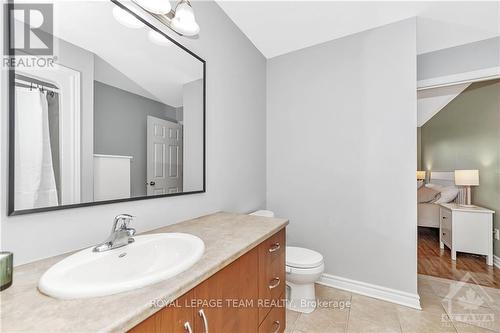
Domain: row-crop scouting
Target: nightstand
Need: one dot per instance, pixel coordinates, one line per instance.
(466, 229)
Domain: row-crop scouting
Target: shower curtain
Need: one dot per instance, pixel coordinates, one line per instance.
(34, 184)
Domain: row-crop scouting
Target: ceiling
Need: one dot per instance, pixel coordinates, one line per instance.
(279, 27)
(431, 101)
(126, 58)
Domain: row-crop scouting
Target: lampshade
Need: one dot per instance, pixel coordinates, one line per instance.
(467, 177)
(184, 21)
(420, 175)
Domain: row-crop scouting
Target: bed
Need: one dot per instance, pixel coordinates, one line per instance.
(428, 213)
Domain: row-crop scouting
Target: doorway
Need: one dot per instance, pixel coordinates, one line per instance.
(164, 156)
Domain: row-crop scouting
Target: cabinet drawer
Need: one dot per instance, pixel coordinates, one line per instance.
(174, 318)
(274, 322)
(446, 226)
(445, 218)
(271, 272)
(273, 248)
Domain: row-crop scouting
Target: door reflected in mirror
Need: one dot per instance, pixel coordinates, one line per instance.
(117, 116)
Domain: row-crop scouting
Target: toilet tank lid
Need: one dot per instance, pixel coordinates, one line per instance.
(265, 213)
(302, 258)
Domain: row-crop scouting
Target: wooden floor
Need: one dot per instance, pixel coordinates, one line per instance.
(437, 262)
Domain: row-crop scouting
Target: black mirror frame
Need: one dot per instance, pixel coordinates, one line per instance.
(10, 203)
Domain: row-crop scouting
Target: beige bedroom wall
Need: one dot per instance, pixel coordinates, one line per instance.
(466, 135)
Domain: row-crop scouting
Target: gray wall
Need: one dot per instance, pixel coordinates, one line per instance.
(460, 59)
(345, 173)
(236, 114)
(120, 128)
(466, 135)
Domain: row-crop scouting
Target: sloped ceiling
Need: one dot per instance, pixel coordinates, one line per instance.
(279, 27)
(159, 71)
(431, 101)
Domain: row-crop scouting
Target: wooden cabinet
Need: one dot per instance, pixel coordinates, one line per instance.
(271, 273)
(235, 288)
(274, 321)
(178, 317)
(245, 296)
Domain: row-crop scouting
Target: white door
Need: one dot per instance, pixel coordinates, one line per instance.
(164, 157)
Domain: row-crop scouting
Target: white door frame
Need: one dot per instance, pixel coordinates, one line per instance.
(455, 79)
(68, 82)
(467, 77)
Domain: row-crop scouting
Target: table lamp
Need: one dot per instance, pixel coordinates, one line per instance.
(467, 178)
(420, 175)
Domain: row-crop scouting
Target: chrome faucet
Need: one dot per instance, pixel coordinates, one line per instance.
(121, 234)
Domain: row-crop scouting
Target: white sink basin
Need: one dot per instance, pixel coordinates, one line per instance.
(150, 259)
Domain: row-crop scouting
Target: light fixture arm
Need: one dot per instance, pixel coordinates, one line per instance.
(166, 19)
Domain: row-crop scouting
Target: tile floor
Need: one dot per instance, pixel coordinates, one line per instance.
(447, 306)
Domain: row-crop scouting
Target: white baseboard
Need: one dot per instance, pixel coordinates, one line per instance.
(496, 261)
(371, 290)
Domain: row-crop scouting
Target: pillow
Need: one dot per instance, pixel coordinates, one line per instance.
(448, 193)
(420, 183)
(426, 194)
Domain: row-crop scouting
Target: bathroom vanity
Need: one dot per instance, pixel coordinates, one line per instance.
(245, 296)
(242, 268)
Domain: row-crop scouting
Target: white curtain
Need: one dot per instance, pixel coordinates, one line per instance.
(34, 184)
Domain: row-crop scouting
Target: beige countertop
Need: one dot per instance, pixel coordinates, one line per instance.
(227, 236)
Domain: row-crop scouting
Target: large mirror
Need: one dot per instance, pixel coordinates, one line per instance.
(114, 112)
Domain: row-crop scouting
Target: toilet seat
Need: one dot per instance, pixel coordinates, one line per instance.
(299, 257)
(303, 268)
(264, 213)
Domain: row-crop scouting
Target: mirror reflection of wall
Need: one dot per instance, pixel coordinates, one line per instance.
(117, 117)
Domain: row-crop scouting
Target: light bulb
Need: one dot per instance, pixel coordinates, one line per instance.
(158, 38)
(126, 18)
(160, 7)
(184, 21)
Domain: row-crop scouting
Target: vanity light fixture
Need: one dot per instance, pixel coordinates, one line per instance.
(180, 19)
(126, 18)
(160, 7)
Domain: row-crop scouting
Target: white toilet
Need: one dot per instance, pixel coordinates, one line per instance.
(303, 268)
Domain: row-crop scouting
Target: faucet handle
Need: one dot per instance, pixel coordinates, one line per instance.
(126, 218)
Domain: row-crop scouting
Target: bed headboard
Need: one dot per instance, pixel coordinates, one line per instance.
(447, 178)
(442, 177)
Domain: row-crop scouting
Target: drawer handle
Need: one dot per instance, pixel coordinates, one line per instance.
(278, 325)
(201, 313)
(187, 327)
(275, 247)
(444, 217)
(275, 284)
